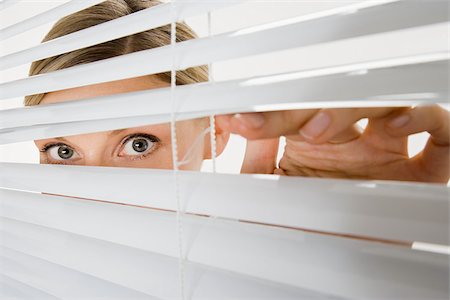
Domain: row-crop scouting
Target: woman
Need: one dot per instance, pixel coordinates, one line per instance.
(324, 143)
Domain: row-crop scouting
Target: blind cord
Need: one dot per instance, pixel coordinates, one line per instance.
(212, 119)
(190, 154)
(181, 259)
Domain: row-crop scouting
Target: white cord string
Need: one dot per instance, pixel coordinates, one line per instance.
(173, 73)
(212, 119)
(189, 156)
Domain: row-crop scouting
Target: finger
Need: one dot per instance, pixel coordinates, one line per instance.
(432, 119)
(433, 161)
(315, 126)
(330, 124)
(223, 121)
(260, 156)
(267, 125)
(350, 134)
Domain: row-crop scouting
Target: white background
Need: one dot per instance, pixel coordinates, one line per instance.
(409, 42)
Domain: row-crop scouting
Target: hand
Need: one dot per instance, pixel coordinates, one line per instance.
(328, 143)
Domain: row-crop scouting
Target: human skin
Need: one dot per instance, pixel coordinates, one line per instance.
(114, 148)
(328, 143)
(319, 143)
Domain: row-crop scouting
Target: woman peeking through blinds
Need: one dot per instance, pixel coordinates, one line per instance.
(319, 142)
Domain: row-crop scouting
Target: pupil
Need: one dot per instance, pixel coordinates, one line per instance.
(140, 145)
(65, 152)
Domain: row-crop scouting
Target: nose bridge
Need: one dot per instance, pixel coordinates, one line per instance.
(92, 147)
(94, 159)
(95, 156)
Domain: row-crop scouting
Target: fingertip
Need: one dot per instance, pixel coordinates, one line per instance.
(247, 125)
(316, 127)
(251, 120)
(223, 122)
(399, 121)
(398, 125)
(236, 126)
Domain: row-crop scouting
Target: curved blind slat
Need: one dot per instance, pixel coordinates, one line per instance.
(277, 261)
(235, 44)
(12, 288)
(143, 271)
(60, 281)
(130, 24)
(45, 17)
(395, 86)
(352, 207)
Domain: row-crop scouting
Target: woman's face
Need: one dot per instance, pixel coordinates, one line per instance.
(140, 147)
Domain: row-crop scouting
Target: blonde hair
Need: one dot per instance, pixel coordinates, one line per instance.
(103, 12)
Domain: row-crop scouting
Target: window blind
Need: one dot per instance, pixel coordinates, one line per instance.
(48, 16)
(79, 232)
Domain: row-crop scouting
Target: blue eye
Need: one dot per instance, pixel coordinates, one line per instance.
(137, 145)
(61, 152)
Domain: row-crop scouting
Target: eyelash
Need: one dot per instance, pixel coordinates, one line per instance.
(48, 146)
(152, 138)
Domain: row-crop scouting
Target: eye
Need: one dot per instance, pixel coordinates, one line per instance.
(138, 145)
(60, 152)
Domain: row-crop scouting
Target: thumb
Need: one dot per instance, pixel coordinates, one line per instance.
(260, 156)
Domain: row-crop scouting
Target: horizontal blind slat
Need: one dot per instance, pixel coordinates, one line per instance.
(340, 206)
(7, 3)
(13, 289)
(130, 24)
(397, 85)
(239, 252)
(139, 270)
(45, 17)
(412, 75)
(236, 44)
(59, 281)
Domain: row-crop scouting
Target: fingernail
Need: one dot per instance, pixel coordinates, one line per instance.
(316, 126)
(252, 120)
(399, 121)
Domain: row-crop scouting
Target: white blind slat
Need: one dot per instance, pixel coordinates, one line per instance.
(351, 207)
(412, 75)
(7, 3)
(139, 270)
(291, 260)
(130, 24)
(45, 17)
(202, 51)
(396, 86)
(60, 281)
(12, 289)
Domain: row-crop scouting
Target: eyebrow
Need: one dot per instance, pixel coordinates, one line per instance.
(60, 138)
(114, 132)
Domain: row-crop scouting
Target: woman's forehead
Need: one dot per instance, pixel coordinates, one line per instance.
(104, 89)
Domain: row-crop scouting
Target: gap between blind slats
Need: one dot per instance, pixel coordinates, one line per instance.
(291, 261)
(146, 19)
(398, 85)
(13, 289)
(143, 271)
(45, 17)
(295, 33)
(60, 281)
(361, 208)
